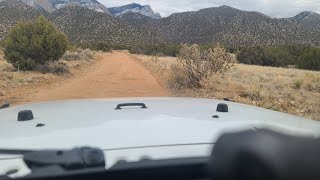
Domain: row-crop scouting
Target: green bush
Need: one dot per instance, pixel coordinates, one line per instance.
(34, 43)
(297, 83)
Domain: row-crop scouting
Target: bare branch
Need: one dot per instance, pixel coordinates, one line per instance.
(201, 64)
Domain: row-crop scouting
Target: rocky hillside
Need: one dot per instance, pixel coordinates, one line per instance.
(40, 4)
(91, 4)
(141, 21)
(134, 8)
(79, 23)
(84, 25)
(11, 12)
(51, 5)
(307, 18)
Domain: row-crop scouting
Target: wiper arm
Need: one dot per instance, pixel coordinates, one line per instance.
(15, 151)
(52, 161)
(78, 158)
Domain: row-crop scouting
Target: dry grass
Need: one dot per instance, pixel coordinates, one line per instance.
(15, 84)
(292, 91)
(78, 55)
(159, 66)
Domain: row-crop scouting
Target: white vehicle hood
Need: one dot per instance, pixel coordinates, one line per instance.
(168, 128)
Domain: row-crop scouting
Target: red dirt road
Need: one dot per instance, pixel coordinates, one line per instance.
(114, 75)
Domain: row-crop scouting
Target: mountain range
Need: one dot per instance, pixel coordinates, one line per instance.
(90, 21)
(134, 8)
(52, 5)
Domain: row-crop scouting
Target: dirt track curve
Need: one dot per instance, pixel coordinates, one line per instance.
(114, 75)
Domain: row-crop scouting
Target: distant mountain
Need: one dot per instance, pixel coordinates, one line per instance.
(85, 25)
(305, 15)
(134, 8)
(307, 18)
(137, 19)
(230, 26)
(91, 4)
(220, 24)
(79, 24)
(51, 5)
(40, 4)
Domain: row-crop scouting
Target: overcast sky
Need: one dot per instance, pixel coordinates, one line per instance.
(273, 8)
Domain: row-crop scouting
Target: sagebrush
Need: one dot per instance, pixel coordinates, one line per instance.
(58, 68)
(78, 55)
(197, 64)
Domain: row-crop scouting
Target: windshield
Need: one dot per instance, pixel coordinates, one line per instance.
(150, 78)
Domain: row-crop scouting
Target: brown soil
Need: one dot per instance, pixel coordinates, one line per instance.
(113, 75)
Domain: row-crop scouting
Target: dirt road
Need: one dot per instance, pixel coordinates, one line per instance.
(114, 75)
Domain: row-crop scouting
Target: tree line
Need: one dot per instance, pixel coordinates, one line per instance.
(161, 49)
(34, 43)
(299, 56)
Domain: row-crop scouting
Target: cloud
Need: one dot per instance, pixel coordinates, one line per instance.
(273, 8)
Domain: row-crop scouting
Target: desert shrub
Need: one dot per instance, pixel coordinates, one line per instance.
(33, 43)
(178, 78)
(78, 55)
(254, 92)
(87, 53)
(312, 82)
(6, 67)
(71, 56)
(297, 83)
(54, 68)
(199, 64)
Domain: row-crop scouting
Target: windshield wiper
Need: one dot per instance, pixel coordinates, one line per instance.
(57, 161)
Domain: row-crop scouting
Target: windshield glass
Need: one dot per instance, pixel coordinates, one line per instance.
(155, 77)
